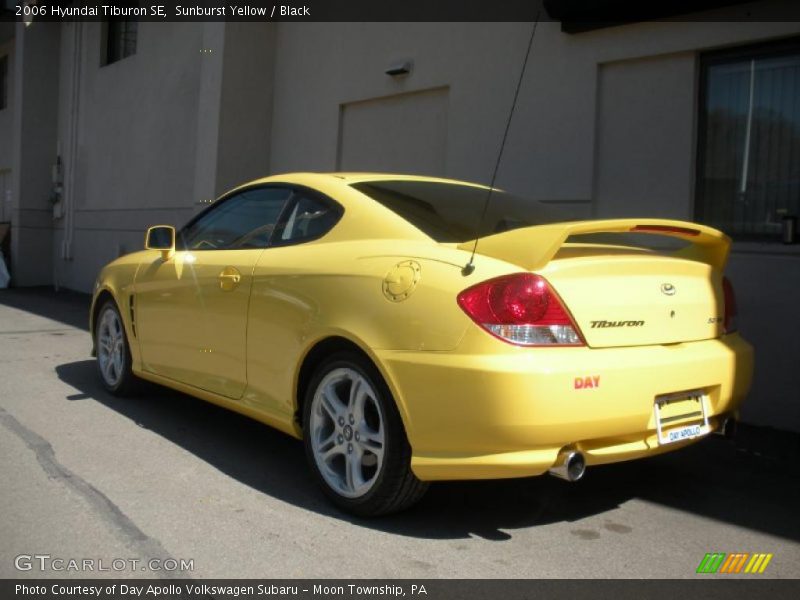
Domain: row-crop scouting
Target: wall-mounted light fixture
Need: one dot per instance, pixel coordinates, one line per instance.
(400, 68)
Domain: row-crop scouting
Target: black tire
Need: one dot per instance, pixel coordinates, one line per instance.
(395, 487)
(126, 383)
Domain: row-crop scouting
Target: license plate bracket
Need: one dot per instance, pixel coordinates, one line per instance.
(668, 434)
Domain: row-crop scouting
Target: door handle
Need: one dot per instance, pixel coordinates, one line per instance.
(229, 278)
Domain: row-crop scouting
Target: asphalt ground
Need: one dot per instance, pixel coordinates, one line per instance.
(164, 476)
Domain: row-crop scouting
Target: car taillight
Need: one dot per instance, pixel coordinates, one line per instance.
(730, 322)
(520, 309)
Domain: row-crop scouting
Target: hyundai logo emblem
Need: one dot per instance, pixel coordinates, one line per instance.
(668, 289)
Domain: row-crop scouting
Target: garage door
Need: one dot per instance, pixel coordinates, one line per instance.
(405, 133)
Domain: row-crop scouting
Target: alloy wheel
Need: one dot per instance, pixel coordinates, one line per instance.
(347, 432)
(111, 347)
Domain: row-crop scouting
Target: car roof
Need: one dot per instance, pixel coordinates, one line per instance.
(351, 177)
(368, 219)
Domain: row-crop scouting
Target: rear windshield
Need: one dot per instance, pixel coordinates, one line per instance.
(449, 212)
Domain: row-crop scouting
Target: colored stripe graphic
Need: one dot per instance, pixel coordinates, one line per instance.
(711, 562)
(720, 562)
(734, 563)
(758, 563)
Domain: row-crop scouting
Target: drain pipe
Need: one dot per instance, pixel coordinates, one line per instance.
(55, 261)
(74, 128)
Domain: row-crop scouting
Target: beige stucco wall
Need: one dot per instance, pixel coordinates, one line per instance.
(552, 148)
(133, 160)
(32, 142)
(158, 133)
(605, 125)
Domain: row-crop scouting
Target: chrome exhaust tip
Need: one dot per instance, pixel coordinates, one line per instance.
(570, 466)
(727, 428)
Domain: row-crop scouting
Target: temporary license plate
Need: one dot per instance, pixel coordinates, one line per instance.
(681, 406)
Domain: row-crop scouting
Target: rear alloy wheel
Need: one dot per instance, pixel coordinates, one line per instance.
(355, 440)
(113, 353)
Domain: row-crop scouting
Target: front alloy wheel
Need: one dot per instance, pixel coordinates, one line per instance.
(355, 439)
(113, 354)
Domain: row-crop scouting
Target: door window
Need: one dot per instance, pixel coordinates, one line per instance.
(243, 221)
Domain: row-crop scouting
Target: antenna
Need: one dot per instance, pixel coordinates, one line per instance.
(470, 267)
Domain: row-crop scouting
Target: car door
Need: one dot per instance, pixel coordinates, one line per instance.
(191, 310)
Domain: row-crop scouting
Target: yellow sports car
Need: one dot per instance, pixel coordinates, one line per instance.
(412, 329)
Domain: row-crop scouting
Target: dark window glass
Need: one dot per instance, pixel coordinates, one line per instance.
(121, 39)
(453, 213)
(749, 140)
(3, 82)
(308, 219)
(245, 220)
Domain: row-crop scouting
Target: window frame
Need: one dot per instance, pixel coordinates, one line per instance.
(769, 49)
(283, 216)
(107, 40)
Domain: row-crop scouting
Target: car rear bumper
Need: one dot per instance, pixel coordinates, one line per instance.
(509, 414)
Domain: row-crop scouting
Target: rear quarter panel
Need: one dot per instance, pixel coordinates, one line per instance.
(304, 294)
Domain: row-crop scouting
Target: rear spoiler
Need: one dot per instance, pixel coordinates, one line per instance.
(533, 247)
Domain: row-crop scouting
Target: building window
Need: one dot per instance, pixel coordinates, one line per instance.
(748, 176)
(3, 82)
(121, 37)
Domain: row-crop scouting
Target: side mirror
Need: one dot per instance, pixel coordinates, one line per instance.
(161, 237)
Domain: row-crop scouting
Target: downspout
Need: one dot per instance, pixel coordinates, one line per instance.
(74, 128)
(68, 146)
(56, 282)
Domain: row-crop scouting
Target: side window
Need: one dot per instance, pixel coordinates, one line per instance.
(120, 39)
(748, 172)
(243, 221)
(309, 218)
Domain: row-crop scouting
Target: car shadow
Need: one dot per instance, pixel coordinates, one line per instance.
(65, 306)
(746, 483)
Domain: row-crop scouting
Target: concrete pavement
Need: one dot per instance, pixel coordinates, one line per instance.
(164, 476)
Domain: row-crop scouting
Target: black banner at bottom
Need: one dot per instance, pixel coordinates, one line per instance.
(427, 589)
